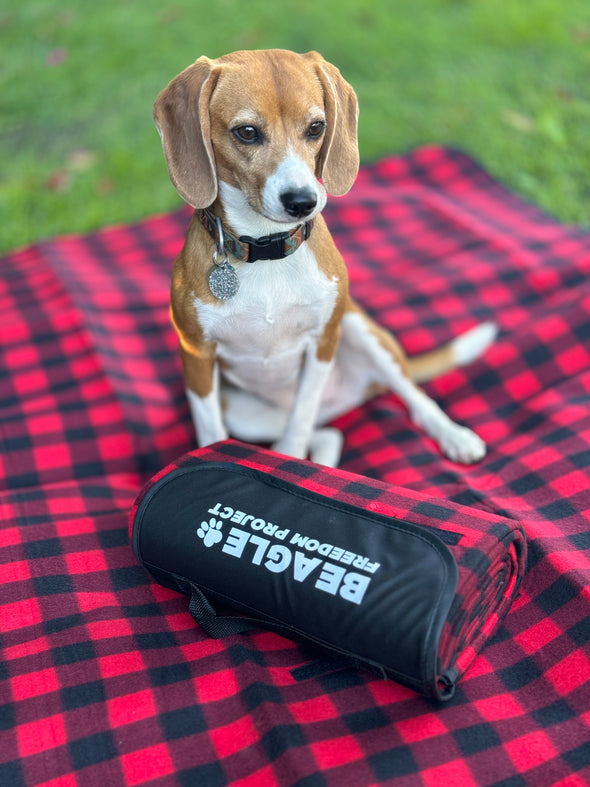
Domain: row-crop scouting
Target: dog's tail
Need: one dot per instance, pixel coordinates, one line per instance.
(458, 352)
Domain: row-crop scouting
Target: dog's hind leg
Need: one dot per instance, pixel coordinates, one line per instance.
(369, 357)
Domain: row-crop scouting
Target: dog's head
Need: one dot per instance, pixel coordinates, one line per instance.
(267, 124)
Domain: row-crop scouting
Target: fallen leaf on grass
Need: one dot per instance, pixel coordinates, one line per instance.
(581, 33)
(81, 160)
(58, 180)
(518, 120)
(547, 123)
(105, 186)
(57, 56)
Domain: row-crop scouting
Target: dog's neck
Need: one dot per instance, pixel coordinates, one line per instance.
(247, 249)
(247, 235)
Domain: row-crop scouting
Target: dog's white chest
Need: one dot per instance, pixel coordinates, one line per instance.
(263, 331)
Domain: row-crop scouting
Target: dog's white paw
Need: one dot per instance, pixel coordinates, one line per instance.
(462, 445)
(326, 446)
(290, 448)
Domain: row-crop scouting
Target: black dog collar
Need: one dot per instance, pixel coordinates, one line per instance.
(270, 247)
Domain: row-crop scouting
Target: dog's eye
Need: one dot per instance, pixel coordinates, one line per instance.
(316, 129)
(248, 134)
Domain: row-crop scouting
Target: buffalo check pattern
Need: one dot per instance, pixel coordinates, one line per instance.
(104, 677)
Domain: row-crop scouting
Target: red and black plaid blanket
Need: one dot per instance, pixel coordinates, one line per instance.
(104, 677)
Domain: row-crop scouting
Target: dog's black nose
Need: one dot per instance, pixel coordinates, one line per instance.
(299, 203)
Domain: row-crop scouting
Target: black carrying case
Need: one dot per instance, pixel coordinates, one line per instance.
(371, 589)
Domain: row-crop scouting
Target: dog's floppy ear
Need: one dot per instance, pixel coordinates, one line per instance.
(339, 157)
(181, 114)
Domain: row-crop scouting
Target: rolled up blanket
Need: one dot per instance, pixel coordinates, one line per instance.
(407, 586)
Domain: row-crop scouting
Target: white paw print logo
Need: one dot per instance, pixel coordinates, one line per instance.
(210, 532)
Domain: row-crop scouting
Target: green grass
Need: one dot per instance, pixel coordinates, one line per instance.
(505, 81)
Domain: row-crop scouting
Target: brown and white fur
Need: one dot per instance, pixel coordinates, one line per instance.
(291, 351)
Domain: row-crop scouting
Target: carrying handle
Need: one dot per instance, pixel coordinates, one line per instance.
(217, 626)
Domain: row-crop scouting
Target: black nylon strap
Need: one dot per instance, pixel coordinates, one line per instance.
(217, 626)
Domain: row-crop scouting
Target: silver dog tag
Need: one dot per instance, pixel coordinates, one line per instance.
(223, 281)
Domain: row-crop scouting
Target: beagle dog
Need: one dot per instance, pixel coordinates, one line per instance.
(272, 345)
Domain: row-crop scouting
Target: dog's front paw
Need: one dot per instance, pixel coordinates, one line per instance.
(290, 448)
(462, 445)
(325, 447)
